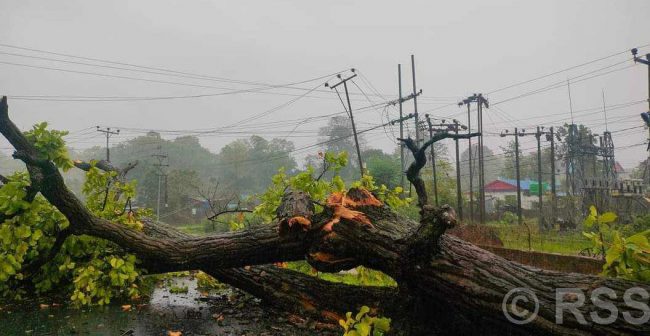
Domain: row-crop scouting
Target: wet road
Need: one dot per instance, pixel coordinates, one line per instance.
(227, 312)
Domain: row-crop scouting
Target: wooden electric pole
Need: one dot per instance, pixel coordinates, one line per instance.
(646, 61)
(400, 100)
(540, 184)
(433, 162)
(445, 127)
(553, 191)
(401, 127)
(459, 195)
(516, 135)
(349, 109)
(107, 131)
(162, 162)
(415, 102)
(468, 103)
(481, 101)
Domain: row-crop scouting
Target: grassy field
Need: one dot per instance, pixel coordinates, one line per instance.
(517, 237)
(197, 229)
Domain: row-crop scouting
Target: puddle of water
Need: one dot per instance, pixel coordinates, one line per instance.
(227, 312)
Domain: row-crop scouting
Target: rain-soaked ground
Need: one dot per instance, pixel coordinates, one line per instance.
(223, 312)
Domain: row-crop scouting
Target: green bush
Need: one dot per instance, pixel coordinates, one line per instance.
(363, 324)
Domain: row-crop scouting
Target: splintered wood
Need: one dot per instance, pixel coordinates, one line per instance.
(343, 203)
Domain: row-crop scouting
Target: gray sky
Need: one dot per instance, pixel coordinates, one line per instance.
(461, 47)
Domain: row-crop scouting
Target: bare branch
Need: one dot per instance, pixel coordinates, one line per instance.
(419, 154)
(213, 217)
(106, 166)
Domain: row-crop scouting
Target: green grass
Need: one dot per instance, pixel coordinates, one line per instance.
(197, 229)
(553, 241)
(174, 289)
(363, 277)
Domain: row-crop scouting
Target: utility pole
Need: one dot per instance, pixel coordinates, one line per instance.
(354, 127)
(402, 119)
(516, 135)
(446, 127)
(400, 100)
(401, 126)
(107, 131)
(468, 102)
(553, 192)
(415, 102)
(540, 185)
(162, 162)
(459, 196)
(645, 61)
(433, 162)
(481, 101)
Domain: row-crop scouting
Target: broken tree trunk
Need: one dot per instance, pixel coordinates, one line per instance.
(446, 285)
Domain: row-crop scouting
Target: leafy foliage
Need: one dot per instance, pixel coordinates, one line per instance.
(50, 145)
(90, 270)
(641, 223)
(629, 257)
(392, 197)
(625, 257)
(337, 137)
(363, 324)
(175, 289)
(244, 167)
(319, 188)
(508, 218)
(385, 168)
(206, 282)
(25, 233)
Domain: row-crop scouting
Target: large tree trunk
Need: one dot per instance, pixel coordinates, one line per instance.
(446, 285)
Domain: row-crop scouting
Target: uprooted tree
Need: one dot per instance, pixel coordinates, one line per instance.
(445, 285)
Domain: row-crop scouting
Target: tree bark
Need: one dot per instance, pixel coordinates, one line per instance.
(446, 285)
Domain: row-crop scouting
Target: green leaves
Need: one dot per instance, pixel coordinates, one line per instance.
(22, 231)
(13, 193)
(106, 197)
(336, 161)
(627, 258)
(319, 188)
(363, 311)
(50, 145)
(595, 218)
(90, 270)
(607, 217)
(364, 324)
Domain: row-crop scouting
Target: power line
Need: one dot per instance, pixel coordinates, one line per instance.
(564, 70)
(230, 91)
(562, 83)
(162, 71)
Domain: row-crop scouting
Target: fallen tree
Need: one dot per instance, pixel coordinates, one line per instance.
(445, 285)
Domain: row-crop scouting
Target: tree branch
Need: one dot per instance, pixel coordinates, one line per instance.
(35, 265)
(223, 212)
(419, 154)
(106, 166)
(257, 246)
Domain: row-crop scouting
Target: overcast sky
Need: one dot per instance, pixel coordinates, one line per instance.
(460, 47)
